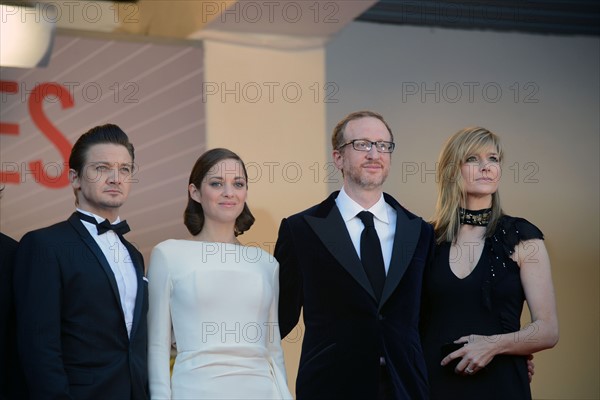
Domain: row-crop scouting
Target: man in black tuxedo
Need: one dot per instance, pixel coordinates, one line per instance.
(81, 295)
(361, 313)
(12, 382)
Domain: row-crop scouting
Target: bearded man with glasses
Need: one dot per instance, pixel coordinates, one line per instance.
(354, 264)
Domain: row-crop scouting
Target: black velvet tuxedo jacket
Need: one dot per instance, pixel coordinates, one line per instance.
(72, 339)
(12, 381)
(347, 329)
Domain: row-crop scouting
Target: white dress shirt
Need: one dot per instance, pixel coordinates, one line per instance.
(121, 264)
(384, 220)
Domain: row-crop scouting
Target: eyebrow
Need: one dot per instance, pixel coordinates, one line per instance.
(475, 153)
(128, 164)
(220, 178)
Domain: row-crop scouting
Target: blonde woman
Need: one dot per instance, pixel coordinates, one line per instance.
(486, 265)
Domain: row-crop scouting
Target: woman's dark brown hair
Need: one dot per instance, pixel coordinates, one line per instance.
(193, 216)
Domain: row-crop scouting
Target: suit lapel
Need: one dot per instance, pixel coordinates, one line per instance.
(329, 226)
(405, 243)
(93, 246)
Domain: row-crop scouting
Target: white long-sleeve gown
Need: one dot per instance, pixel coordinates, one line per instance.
(218, 303)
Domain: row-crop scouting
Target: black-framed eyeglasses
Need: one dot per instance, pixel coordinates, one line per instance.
(367, 145)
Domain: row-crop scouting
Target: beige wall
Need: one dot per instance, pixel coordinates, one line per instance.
(274, 124)
(270, 116)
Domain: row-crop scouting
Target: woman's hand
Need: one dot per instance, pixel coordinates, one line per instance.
(530, 367)
(477, 352)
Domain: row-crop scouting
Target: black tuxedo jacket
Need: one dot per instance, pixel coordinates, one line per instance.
(12, 381)
(347, 329)
(72, 339)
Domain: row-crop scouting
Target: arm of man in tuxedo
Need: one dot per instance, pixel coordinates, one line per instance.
(38, 297)
(423, 314)
(290, 279)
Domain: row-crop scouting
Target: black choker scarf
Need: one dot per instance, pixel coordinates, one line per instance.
(475, 217)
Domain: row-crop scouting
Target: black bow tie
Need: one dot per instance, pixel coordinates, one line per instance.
(120, 229)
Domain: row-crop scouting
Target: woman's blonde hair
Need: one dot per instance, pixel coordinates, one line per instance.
(451, 192)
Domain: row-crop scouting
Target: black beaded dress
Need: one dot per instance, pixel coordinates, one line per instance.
(489, 301)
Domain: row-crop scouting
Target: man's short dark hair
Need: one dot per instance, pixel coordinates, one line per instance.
(103, 134)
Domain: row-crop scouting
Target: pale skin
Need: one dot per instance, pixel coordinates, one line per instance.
(364, 171)
(103, 185)
(481, 173)
(222, 194)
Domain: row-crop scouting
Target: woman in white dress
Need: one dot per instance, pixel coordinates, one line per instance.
(215, 299)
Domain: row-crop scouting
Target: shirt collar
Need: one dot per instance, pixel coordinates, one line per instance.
(98, 218)
(349, 208)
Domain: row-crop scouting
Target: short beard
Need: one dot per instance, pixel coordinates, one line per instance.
(367, 183)
(112, 204)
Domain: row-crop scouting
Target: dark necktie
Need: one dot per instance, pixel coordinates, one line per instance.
(370, 253)
(120, 229)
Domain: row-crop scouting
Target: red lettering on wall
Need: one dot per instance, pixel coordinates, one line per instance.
(36, 101)
(36, 104)
(9, 129)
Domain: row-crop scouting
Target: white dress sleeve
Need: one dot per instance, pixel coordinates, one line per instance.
(159, 325)
(274, 339)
